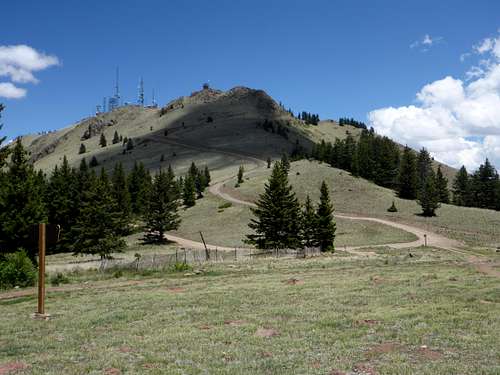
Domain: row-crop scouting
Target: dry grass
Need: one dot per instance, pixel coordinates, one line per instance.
(474, 226)
(425, 314)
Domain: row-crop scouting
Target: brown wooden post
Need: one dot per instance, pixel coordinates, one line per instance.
(41, 269)
(207, 252)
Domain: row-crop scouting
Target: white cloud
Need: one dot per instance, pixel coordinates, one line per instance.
(19, 63)
(457, 121)
(9, 91)
(426, 42)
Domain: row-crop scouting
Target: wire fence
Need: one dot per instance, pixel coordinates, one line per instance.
(197, 257)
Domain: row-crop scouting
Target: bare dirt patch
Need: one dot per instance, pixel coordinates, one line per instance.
(205, 327)
(266, 332)
(126, 349)
(12, 367)
(294, 281)
(364, 369)
(429, 354)
(112, 371)
(337, 372)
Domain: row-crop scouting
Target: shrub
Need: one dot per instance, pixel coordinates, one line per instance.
(180, 267)
(225, 205)
(392, 208)
(17, 270)
(58, 279)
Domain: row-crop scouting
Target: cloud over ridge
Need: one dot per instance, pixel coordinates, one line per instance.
(457, 121)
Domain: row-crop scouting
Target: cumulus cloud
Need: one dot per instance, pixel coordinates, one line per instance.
(457, 121)
(19, 63)
(426, 42)
(9, 91)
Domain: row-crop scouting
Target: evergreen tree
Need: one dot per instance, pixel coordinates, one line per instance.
(103, 142)
(116, 138)
(62, 197)
(163, 204)
(285, 163)
(139, 185)
(206, 174)
(189, 191)
(407, 178)
(461, 188)
(21, 203)
(424, 168)
(428, 196)
(484, 186)
(442, 186)
(83, 149)
(268, 162)
(277, 214)
(309, 225)
(121, 196)
(130, 144)
(93, 162)
(97, 227)
(240, 174)
(326, 225)
(4, 152)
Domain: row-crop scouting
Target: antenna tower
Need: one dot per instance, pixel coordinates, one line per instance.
(140, 96)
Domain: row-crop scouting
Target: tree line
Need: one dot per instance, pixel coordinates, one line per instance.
(282, 222)
(350, 121)
(95, 209)
(411, 174)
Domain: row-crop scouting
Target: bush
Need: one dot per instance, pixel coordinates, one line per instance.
(225, 205)
(17, 270)
(392, 208)
(180, 267)
(58, 279)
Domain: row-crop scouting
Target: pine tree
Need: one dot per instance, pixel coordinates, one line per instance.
(241, 170)
(326, 225)
(93, 162)
(189, 191)
(130, 144)
(116, 138)
(62, 197)
(442, 186)
(4, 152)
(206, 174)
(83, 149)
(424, 168)
(277, 214)
(484, 186)
(121, 196)
(162, 213)
(139, 185)
(309, 225)
(21, 203)
(461, 188)
(285, 163)
(407, 178)
(96, 229)
(428, 196)
(103, 142)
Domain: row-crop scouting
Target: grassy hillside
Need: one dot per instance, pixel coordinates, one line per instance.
(474, 226)
(228, 226)
(395, 314)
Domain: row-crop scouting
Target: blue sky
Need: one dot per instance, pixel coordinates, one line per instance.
(335, 58)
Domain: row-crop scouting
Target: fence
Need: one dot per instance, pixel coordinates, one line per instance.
(197, 257)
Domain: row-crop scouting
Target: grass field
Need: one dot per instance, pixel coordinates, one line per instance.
(476, 227)
(227, 227)
(430, 313)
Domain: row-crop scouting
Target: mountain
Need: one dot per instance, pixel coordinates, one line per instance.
(211, 127)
